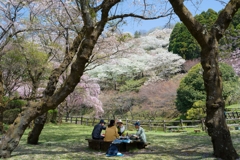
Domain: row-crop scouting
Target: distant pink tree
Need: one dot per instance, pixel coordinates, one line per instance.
(189, 64)
(85, 96)
(160, 96)
(233, 60)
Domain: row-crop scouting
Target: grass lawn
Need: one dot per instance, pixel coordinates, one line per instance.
(67, 142)
(233, 107)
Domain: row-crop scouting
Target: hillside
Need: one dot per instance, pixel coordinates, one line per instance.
(146, 58)
(142, 79)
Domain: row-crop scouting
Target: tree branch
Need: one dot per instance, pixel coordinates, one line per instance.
(225, 18)
(69, 16)
(195, 28)
(138, 16)
(86, 13)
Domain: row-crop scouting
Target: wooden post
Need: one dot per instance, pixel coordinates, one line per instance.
(71, 120)
(203, 125)
(229, 115)
(233, 114)
(81, 120)
(237, 114)
(164, 126)
(181, 123)
(93, 121)
(149, 125)
(66, 118)
(126, 124)
(87, 122)
(76, 120)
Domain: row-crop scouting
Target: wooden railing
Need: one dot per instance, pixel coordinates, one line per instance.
(232, 115)
(163, 125)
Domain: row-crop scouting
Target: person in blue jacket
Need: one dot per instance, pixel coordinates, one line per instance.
(140, 134)
(96, 133)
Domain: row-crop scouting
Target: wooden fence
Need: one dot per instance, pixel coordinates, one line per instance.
(232, 115)
(152, 124)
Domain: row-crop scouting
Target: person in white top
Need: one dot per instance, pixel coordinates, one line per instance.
(121, 128)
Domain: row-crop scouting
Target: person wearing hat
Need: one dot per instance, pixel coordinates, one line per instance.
(140, 133)
(97, 130)
(120, 127)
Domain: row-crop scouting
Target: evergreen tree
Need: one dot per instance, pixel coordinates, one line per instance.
(182, 42)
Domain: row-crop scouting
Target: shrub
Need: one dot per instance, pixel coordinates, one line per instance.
(192, 89)
(132, 85)
(52, 116)
(10, 115)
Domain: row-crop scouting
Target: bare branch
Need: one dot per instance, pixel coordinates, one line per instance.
(225, 18)
(194, 27)
(69, 16)
(138, 16)
(222, 2)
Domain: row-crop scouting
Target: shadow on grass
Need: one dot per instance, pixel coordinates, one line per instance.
(175, 153)
(178, 146)
(74, 151)
(174, 146)
(68, 142)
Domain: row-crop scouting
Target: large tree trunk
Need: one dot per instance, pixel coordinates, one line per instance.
(1, 104)
(215, 120)
(11, 139)
(39, 123)
(60, 113)
(208, 40)
(1, 120)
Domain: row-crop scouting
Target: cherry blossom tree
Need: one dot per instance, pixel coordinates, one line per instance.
(11, 15)
(117, 104)
(94, 16)
(160, 96)
(139, 61)
(85, 95)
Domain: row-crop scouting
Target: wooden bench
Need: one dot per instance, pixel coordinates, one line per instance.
(135, 144)
(197, 130)
(236, 126)
(101, 145)
(175, 129)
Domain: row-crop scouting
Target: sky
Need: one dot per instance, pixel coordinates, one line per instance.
(136, 25)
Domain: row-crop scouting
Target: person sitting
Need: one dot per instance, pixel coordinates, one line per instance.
(140, 134)
(121, 128)
(96, 133)
(111, 132)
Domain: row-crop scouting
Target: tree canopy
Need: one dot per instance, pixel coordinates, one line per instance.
(181, 42)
